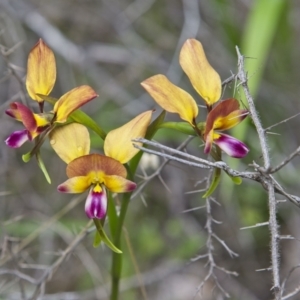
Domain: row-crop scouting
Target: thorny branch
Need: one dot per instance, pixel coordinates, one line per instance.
(273, 225)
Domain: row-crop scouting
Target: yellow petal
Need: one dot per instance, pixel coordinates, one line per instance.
(70, 141)
(41, 71)
(171, 98)
(71, 101)
(74, 185)
(118, 184)
(118, 142)
(205, 80)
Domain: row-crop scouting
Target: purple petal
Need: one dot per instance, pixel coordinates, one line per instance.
(96, 204)
(17, 139)
(232, 146)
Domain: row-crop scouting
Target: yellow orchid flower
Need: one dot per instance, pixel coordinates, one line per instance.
(95, 171)
(35, 124)
(203, 77)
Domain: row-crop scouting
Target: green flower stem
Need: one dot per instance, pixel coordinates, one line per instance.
(131, 169)
(117, 258)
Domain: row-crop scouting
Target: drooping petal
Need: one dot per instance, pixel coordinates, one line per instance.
(118, 184)
(41, 71)
(171, 98)
(205, 80)
(95, 165)
(74, 185)
(231, 146)
(24, 114)
(17, 139)
(96, 203)
(208, 141)
(72, 100)
(118, 142)
(70, 141)
(34, 123)
(225, 115)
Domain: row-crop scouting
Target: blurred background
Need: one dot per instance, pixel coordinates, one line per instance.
(113, 45)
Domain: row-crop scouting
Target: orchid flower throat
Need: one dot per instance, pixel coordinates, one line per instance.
(96, 178)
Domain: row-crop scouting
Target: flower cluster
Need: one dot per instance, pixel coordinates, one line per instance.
(206, 81)
(99, 173)
(94, 172)
(40, 80)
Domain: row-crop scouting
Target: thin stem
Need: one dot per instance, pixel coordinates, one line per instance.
(117, 258)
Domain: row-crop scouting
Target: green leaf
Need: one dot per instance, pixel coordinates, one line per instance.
(214, 183)
(236, 179)
(179, 126)
(42, 167)
(26, 157)
(80, 117)
(97, 240)
(104, 237)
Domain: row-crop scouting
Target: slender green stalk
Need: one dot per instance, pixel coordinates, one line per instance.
(117, 258)
(116, 231)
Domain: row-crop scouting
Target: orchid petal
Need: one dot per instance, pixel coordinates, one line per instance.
(41, 71)
(171, 98)
(95, 166)
(205, 80)
(17, 139)
(208, 141)
(225, 116)
(70, 141)
(72, 100)
(233, 147)
(118, 142)
(34, 123)
(74, 185)
(96, 203)
(118, 184)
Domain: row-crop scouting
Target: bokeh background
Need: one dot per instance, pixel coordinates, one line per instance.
(113, 45)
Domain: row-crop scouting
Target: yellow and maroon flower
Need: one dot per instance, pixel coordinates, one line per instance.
(225, 115)
(97, 173)
(203, 77)
(35, 124)
(207, 82)
(40, 80)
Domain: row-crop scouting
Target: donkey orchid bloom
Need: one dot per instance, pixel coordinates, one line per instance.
(203, 77)
(225, 115)
(40, 80)
(35, 124)
(41, 71)
(97, 173)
